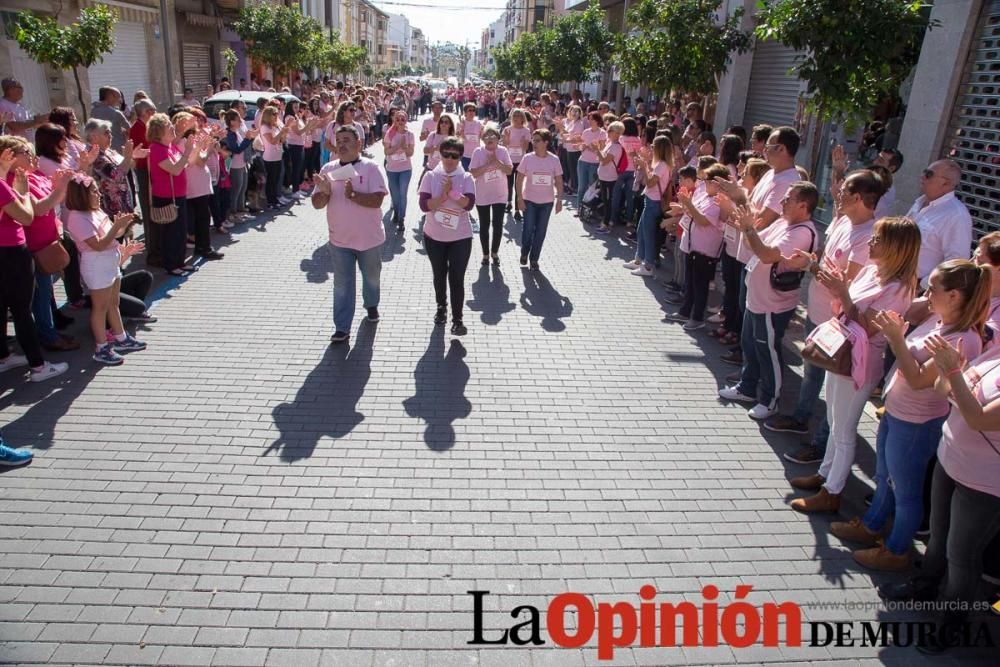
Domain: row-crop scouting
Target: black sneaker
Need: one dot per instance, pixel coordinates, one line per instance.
(458, 329)
(786, 424)
(517, 216)
(212, 255)
(339, 337)
(534, 266)
(441, 316)
(733, 357)
(144, 317)
(373, 314)
(524, 260)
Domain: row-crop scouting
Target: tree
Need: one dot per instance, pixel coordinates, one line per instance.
(579, 45)
(329, 54)
(506, 63)
(463, 58)
(855, 53)
(80, 44)
(279, 36)
(679, 45)
(230, 59)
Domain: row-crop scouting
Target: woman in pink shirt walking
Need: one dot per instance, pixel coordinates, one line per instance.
(540, 184)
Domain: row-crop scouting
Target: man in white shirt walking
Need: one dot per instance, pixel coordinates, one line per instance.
(944, 221)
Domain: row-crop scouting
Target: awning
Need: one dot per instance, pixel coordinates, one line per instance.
(203, 20)
(134, 13)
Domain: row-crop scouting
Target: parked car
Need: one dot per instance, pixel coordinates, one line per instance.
(219, 102)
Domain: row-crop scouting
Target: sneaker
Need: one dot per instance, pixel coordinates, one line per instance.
(735, 358)
(212, 255)
(458, 329)
(339, 337)
(144, 317)
(786, 424)
(761, 411)
(634, 264)
(718, 318)
(48, 371)
(130, 344)
(674, 298)
(13, 361)
(524, 260)
(11, 457)
(675, 317)
(643, 271)
(693, 325)
(441, 315)
(373, 314)
(107, 356)
(733, 394)
(228, 224)
(804, 455)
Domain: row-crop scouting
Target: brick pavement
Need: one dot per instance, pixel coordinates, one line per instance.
(243, 494)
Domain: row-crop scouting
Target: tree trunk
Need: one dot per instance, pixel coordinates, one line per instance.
(79, 93)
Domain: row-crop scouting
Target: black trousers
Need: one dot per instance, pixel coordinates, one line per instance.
(17, 288)
(699, 274)
(607, 187)
(732, 270)
(510, 184)
(272, 184)
(200, 219)
(132, 293)
(491, 215)
(572, 161)
(449, 259)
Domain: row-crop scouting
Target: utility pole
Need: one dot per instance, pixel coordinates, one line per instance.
(165, 34)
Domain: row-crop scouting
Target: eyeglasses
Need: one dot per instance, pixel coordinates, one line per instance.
(451, 156)
(771, 147)
(874, 240)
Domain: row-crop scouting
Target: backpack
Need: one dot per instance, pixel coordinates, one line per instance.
(622, 165)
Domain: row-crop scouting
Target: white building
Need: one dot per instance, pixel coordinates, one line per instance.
(399, 40)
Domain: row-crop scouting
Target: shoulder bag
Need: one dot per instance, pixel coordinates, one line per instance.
(162, 215)
(790, 281)
(53, 258)
(829, 345)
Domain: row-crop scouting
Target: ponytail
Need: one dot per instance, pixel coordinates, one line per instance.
(976, 285)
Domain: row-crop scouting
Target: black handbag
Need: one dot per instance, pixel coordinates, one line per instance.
(790, 281)
(707, 261)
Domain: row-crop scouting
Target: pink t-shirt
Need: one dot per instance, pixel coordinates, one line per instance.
(352, 225)
(845, 243)
(491, 186)
(449, 222)
(293, 138)
(159, 179)
(46, 228)
(469, 131)
(272, 151)
(83, 225)
(398, 162)
(761, 297)
(199, 178)
(869, 295)
(631, 145)
(921, 405)
(662, 172)
(11, 231)
(705, 240)
(993, 321)
(971, 457)
(433, 141)
(540, 177)
(608, 171)
(768, 193)
(518, 143)
(589, 137)
(429, 126)
(574, 128)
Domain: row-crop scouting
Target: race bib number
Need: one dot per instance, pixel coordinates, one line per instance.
(447, 218)
(397, 157)
(516, 154)
(732, 234)
(829, 337)
(541, 179)
(492, 176)
(472, 139)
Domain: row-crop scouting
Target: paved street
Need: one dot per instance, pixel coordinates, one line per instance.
(243, 494)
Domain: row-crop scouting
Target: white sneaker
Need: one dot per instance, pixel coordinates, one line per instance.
(49, 371)
(633, 265)
(228, 224)
(692, 325)
(643, 271)
(13, 361)
(731, 394)
(761, 411)
(718, 318)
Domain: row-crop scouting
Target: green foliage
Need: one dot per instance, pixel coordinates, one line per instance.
(230, 59)
(329, 54)
(279, 36)
(855, 52)
(80, 44)
(679, 45)
(506, 63)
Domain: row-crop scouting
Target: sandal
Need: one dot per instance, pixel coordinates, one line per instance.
(496, 260)
(486, 260)
(731, 338)
(718, 333)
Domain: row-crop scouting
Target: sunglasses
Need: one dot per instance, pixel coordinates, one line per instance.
(928, 173)
(451, 156)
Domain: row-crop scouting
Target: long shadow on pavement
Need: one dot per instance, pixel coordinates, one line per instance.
(440, 379)
(541, 299)
(326, 404)
(491, 295)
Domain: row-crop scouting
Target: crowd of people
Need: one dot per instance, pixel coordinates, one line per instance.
(896, 305)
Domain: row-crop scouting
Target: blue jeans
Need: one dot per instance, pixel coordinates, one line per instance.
(762, 364)
(466, 161)
(344, 277)
(586, 173)
(399, 184)
(812, 385)
(536, 223)
(41, 307)
(646, 249)
(902, 450)
(623, 190)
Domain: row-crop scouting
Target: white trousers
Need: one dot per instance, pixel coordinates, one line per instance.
(844, 407)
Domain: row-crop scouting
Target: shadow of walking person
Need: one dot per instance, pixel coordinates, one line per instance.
(491, 297)
(439, 397)
(326, 404)
(541, 299)
(318, 267)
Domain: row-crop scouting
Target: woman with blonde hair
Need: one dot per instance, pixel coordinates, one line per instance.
(272, 134)
(655, 174)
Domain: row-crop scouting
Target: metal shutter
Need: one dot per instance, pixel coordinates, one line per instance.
(197, 67)
(973, 139)
(773, 95)
(127, 66)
